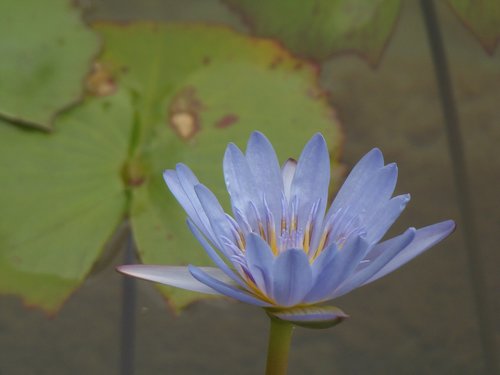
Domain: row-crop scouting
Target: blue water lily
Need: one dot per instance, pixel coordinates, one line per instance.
(283, 248)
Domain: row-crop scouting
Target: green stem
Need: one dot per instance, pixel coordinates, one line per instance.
(280, 337)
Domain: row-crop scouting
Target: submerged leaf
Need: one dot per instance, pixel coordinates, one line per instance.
(317, 29)
(482, 17)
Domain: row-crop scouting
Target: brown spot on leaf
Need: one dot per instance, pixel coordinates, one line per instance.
(206, 60)
(184, 113)
(133, 173)
(276, 62)
(226, 121)
(100, 82)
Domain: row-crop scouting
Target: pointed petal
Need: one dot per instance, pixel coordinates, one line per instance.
(388, 251)
(213, 254)
(260, 261)
(188, 181)
(366, 201)
(224, 288)
(187, 199)
(311, 316)
(382, 219)
(177, 276)
(357, 179)
(338, 269)
(292, 277)
(311, 179)
(265, 168)
(287, 173)
(215, 214)
(424, 239)
(240, 181)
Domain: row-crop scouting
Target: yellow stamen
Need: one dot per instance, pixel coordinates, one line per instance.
(321, 245)
(307, 238)
(258, 293)
(241, 241)
(262, 232)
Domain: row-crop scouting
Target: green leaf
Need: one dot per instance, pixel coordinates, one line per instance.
(482, 17)
(46, 53)
(62, 198)
(196, 88)
(317, 29)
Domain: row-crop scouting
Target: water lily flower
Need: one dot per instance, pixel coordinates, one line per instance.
(283, 248)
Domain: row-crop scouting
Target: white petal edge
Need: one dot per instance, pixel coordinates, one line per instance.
(177, 276)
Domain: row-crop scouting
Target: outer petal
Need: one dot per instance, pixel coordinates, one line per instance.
(213, 254)
(390, 249)
(179, 277)
(224, 288)
(338, 269)
(292, 277)
(188, 181)
(311, 178)
(266, 171)
(382, 219)
(367, 200)
(424, 239)
(357, 179)
(187, 198)
(260, 261)
(240, 181)
(216, 215)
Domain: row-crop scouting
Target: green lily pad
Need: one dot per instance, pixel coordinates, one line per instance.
(482, 17)
(62, 198)
(196, 88)
(318, 29)
(46, 54)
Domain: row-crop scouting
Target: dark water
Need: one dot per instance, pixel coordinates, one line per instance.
(419, 320)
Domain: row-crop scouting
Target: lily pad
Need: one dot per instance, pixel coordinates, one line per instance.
(482, 17)
(196, 88)
(46, 54)
(318, 29)
(62, 198)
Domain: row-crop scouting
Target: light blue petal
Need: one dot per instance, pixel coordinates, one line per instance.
(358, 179)
(216, 216)
(213, 254)
(338, 269)
(326, 256)
(188, 200)
(424, 239)
(266, 171)
(287, 173)
(382, 219)
(224, 288)
(260, 261)
(188, 181)
(389, 250)
(311, 316)
(177, 276)
(292, 277)
(369, 199)
(311, 179)
(240, 182)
